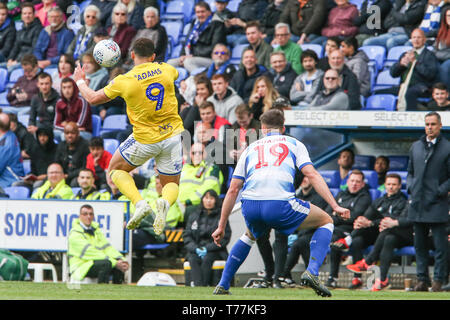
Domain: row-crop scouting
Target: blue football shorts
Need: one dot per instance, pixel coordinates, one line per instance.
(283, 215)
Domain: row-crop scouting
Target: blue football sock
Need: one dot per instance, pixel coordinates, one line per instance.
(238, 254)
(319, 246)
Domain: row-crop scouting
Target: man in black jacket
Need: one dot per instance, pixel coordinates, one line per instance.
(27, 141)
(7, 33)
(281, 74)
(428, 183)
(356, 198)
(367, 229)
(204, 33)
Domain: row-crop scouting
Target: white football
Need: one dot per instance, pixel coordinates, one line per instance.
(107, 53)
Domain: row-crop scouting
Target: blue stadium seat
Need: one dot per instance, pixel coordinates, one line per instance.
(176, 51)
(14, 76)
(363, 162)
(23, 119)
(75, 190)
(26, 166)
(173, 29)
(212, 5)
(18, 24)
(405, 251)
(114, 122)
(156, 246)
(84, 4)
(111, 145)
(182, 74)
(3, 79)
(385, 80)
(317, 48)
(394, 54)
(357, 3)
(398, 163)
(334, 191)
(236, 53)
(96, 125)
(387, 102)
(50, 71)
(405, 192)
(233, 5)
(179, 10)
(371, 178)
(3, 100)
(17, 193)
(402, 174)
(374, 193)
(377, 54)
(331, 177)
(183, 36)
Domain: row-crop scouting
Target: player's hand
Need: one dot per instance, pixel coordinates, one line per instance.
(218, 236)
(342, 212)
(79, 73)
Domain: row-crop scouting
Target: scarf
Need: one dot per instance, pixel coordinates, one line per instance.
(222, 68)
(432, 18)
(82, 42)
(195, 34)
(302, 4)
(49, 29)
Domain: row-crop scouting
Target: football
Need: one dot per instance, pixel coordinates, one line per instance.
(107, 53)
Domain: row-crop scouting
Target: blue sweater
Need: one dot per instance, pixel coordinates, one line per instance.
(63, 38)
(10, 159)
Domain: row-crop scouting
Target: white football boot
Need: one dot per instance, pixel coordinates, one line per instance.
(143, 209)
(162, 206)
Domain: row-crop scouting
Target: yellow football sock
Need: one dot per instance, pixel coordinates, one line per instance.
(170, 192)
(124, 181)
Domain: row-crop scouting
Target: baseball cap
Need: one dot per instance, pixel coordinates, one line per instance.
(281, 102)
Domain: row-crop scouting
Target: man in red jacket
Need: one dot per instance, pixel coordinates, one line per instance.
(98, 161)
(219, 124)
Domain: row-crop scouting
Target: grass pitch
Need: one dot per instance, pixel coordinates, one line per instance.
(12, 290)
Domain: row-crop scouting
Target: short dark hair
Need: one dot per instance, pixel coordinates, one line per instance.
(3, 6)
(273, 119)
(203, 4)
(351, 42)
(27, 5)
(309, 54)
(220, 76)
(65, 80)
(336, 40)
(96, 142)
(143, 47)
(254, 23)
(29, 59)
(394, 175)
(87, 170)
(87, 206)
(206, 104)
(70, 60)
(386, 159)
(44, 75)
(435, 114)
(439, 86)
(242, 109)
(357, 172)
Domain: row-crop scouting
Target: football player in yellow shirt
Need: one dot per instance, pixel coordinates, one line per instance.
(149, 92)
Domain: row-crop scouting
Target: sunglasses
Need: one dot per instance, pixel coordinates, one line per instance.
(220, 52)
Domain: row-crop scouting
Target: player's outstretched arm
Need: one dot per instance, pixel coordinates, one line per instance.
(322, 189)
(91, 96)
(227, 207)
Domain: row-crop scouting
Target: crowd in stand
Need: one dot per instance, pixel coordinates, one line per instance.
(274, 68)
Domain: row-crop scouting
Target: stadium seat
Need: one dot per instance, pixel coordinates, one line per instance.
(176, 51)
(377, 54)
(14, 76)
(374, 193)
(23, 119)
(236, 53)
(317, 48)
(111, 145)
(50, 71)
(26, 166)
(173, 29)
(182, 74)
(363, 162)
(156, 246)
(233, 5)
(18, 24)
(385, 80)
(387, 102)
(17, 193)
(96, 125)
(334, 191)
(39, 268)
(405, 251)
(114, 122)
(179, 10)
(398, 163)
(185, 32)
(394, 54)
(3, 79)
(402, 174)
(3, 100)
(371, 178)
(357, 3)
(84, 4)
(331, 177)
(212, 5)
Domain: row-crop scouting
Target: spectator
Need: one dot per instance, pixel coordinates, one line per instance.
(43, 104)
(403, 18)
(440, 100)
(106, 9)
(305, 85)
(72, 153)
(357, 199)
(204, 33)
(366, 227)
(221, 62)
(291, 50)
(84, 39)
(7, 33)
(135, 12)
(66, 67)
(91, 255)
(98, 161)
(364, 21)
(99, 34)
(98, 77)
(340, 21)
(305, 18)
(418, 69)
(381, 167)
(224, 98)
(72, 107)
(248, 10)
(255, 38)
(55, 187)
(281, 74)
(442, 48)
(358, 62)
(11, 167)
(218, 124)
(198, 177)
(428, 184)
(120, 31)
(154, 31)
(262, 97)
(271, 17)
(244, 79)
(345, 161)
(299, 241)
(200, 247)
(88, 190)
(349, 84)
(26, 38)
(245, 127)
(386, 218)
(332, 97)
(333, 43)
(19, 96)
(53, 40)
(27, 142)
(432, 19)
(222, 13)
(43, 11)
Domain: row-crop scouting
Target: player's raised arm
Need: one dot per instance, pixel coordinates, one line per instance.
(91, 96)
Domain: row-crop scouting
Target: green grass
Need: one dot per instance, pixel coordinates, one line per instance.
(11, 290)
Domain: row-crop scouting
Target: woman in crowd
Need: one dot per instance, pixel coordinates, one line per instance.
(340, 21)
(120, 31)
(442, 47)
(358, 62)
(66, 67)
(262, 96)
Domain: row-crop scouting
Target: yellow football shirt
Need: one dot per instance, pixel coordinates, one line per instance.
(149, 92)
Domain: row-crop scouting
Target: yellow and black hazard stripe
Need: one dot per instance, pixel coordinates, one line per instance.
(174, 235)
